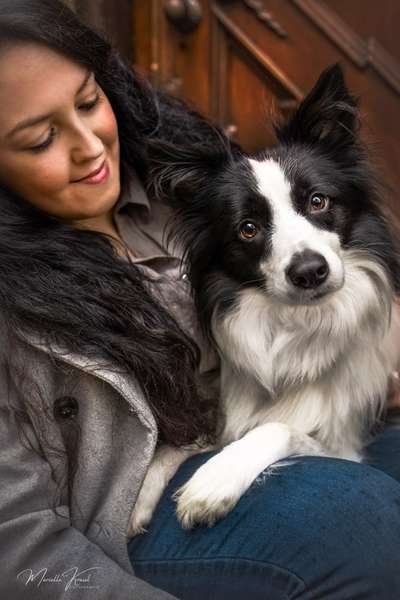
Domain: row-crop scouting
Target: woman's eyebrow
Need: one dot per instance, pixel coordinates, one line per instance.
(36, 120)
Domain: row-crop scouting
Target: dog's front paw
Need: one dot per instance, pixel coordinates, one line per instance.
(207, 497)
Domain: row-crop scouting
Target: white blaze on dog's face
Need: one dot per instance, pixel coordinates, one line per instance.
(304, 261)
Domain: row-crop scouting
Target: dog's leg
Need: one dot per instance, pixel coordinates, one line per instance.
(218, 484)
(165, 463)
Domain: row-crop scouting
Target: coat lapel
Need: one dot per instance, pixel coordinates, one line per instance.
(124, 384)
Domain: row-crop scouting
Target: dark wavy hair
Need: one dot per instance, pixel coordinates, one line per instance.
(68, 284)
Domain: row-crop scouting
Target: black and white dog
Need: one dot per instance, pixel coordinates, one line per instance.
(294, 270)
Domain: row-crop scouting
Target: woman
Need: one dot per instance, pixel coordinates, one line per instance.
(98, 363)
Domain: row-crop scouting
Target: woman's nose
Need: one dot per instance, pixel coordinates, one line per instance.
(86, 144)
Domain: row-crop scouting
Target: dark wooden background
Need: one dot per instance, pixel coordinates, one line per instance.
(246, 58)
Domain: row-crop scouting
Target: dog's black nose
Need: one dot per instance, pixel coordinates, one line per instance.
(307, 269)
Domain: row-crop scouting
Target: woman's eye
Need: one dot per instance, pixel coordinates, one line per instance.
(85, 107)
(46, 143)
(248, 230)
(89, 105)
(319, 203)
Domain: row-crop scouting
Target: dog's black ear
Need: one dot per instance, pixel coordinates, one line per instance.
(328, 114)
(176, 171)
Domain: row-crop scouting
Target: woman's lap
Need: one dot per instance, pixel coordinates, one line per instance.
(319, 528)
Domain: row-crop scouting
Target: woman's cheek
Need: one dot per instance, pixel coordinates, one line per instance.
(108, 127)
(45, 179)
(51, 174)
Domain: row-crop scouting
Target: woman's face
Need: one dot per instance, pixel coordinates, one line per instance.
(72, 131)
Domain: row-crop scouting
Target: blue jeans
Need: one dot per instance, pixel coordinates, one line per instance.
(317, 529)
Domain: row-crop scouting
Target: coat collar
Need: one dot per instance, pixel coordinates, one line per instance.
(125, 384)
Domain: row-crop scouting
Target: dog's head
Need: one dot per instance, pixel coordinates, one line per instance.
(289, 220)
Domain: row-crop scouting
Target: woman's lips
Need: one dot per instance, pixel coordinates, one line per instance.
(99, 177)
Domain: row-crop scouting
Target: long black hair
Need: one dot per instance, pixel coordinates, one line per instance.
(68, 284)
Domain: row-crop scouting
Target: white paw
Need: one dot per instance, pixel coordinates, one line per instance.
(165, 463)
(208, 496)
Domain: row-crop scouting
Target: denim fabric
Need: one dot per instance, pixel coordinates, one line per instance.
(384, 452)
(317, 529)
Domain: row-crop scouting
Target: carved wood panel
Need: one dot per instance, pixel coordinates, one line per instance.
(246, 57)
(239, 66)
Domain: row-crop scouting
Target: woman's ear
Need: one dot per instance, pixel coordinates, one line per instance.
(327, 115)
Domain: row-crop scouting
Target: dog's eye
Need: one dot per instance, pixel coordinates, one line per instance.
(319, 203)
(248, 230)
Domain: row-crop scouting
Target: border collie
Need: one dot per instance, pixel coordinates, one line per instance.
(293, 269)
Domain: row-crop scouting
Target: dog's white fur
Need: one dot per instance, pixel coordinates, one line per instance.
(298, 376)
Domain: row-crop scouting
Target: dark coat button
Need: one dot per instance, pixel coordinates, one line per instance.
(65, 407)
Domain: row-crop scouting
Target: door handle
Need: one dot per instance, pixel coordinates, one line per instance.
(185, 15)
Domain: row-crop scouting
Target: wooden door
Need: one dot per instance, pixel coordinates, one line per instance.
(238, 60)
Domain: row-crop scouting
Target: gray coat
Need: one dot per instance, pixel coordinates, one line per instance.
(86, 536)
(43, 551)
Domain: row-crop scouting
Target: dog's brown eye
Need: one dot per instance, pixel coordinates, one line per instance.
(319, 203)
(248, 230)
